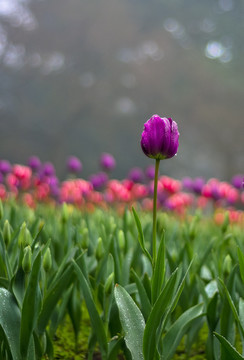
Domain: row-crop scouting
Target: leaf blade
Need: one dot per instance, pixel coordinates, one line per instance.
(132, 322)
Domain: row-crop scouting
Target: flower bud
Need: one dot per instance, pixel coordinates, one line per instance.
(47, 260)
(121, 239)
(6, 232)
(65, 213)
(85, 238)
(27, 258)
(24, 238)
(22, 234)
(160, 138)
(99, 249)
(109, 284)
(227, 265)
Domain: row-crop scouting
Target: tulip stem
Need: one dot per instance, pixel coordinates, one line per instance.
(154, 237)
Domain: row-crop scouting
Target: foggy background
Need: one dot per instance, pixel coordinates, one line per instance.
(80, 77)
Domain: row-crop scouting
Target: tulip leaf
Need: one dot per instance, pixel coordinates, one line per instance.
(96, 321)
(31, 307)
(227, 324)
(212, 312)
(241, 312)
(230, 352)
(132, 321)
(114, 347)
(159, 271)
(241, 262)
(140, 234)
(175, 333)
(35, 239)
(125, 273)
(177, 294)
(53, 295)
(156, 315)
(74, 310)
(18, 286)
(10, 322)
(232, 306)
(145, 303)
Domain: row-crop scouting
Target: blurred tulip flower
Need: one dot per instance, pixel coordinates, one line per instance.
(74, 165)
(107, 162)
(34, 163)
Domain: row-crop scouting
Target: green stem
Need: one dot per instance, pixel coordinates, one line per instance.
(154, 241)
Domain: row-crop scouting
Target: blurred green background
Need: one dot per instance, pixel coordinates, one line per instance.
(80, 77)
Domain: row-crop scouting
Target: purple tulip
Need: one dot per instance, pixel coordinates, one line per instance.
(5, 167)
(47, 169)
(99, 180)
(187, 183)
(136, 175)
(198, 184)
(237, 181)
(53, 183)
(150, 171)
(34, 163)
(107, 162)
(74, 165)
(160, 138)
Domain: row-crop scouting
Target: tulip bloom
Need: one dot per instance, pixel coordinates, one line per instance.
(160, 138)
(107, 162)
(159, 141)
(74, 165)
(136, 175)
(34, 163)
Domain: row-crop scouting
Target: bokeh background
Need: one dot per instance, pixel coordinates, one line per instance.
(80, 77)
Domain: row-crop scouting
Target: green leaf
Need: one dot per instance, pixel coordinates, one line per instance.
(113, 348)
(230, 352)
(62, 266)
(18, 286)
(31, 307)
(156, 314)
(74, 309)
(10, 321)
(241, 262)
(159, 271)
(126, 266)
(53, 295)
(175, 333)
(175, 298)
(145, 303)
(241, 312)
(226, 320)
(232, 305)
(4, 282)
(212, 312)
(132, 322)
(35, 240)
(116, 257)
(96, 320)
(140, 234)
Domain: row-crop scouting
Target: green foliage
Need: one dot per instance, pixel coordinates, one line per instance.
(57, 274)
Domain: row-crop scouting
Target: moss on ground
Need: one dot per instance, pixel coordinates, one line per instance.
(65, 347)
